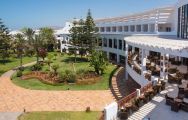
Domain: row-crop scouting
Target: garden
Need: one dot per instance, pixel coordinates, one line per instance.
(59, 71)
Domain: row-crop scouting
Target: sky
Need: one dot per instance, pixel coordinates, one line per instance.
(17, 14)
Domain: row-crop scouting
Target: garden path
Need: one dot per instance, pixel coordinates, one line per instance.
(15, 99)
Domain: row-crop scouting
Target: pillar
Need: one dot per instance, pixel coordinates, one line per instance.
(162, 66)
(143, 61)
(117, 44)
(133, 49)
(108, 55)
(126, 61)
(118, 58)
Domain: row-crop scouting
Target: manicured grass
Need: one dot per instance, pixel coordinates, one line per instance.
(13, 62)
(62, 61)
(60, 116)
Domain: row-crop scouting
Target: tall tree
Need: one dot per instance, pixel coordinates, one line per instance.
(98, 61)
(20, 45)
(90, 34)
(4, 41)
(48, 38)
(74, 34)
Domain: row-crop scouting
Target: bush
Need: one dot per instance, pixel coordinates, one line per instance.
(19, 73)
(68, 76)
(36, 67)
(21, 68)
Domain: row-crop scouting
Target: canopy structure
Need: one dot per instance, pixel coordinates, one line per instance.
(168, 44)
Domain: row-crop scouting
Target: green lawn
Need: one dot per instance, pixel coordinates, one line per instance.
(103, 84)
(13, 62)
(60, 116)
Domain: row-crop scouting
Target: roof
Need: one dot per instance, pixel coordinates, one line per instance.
(163, 44)
(162, 11)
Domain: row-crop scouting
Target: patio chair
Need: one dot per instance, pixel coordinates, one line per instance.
(123, 115)
(169, 100)
(184, 106)
(186, 92)
(181, 89)
(175, 106)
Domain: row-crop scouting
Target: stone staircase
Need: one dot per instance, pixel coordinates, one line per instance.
(121, 87)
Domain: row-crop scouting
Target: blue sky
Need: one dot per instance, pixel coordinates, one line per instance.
(17, 14)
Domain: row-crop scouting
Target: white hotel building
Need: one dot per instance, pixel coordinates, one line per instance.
(161, 33)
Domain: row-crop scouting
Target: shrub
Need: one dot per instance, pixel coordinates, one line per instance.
(55, 67)
(19, 73)
(36, 67)
(21, 68)
(68, 76)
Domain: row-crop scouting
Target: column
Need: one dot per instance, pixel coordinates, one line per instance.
(143, 61)
(156, 21)
(117, 44)
(107, 40)
(118, 58)
(102, 42)
(142, 28)
(108, 55)
(126, 61)
(113, 43)
(162, 66)
(133, 49)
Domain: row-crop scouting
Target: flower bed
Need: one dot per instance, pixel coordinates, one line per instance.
(43, 77)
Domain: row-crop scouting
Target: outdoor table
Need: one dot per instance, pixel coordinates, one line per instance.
(177, 100)
(181, 86)
(172, 95)
(185, 100)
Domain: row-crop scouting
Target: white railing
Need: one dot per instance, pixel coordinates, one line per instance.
(140, 79)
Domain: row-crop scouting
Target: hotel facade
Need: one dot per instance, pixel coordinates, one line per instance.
(148, 43)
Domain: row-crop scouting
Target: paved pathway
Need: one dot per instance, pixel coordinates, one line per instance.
(9, 115)
(14, 98)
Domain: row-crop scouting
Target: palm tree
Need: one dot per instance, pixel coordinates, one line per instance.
(37, 43)
(29, 34)
(20, 45)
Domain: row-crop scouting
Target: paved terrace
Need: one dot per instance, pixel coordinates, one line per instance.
(158, 110)
(15, 99)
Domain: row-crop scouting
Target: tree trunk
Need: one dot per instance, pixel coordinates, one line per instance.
(21, 60)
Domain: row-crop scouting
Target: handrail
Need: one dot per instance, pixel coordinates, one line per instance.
(127, 99)
(145, 88)
(133, 95)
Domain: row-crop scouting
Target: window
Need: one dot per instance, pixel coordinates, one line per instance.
(115, 43)
(120, 44)
(126, 28)
(110, 43)
(104, 42)
(100, 42)
(168, 29)
(124, 45)
(132, 28)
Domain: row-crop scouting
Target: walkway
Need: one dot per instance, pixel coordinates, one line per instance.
(16, 99)
(158, 110)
